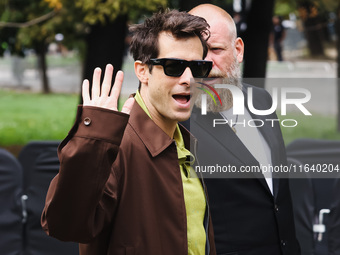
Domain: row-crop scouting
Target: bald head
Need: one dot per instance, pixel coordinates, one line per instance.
(213, 14)
(225, 51)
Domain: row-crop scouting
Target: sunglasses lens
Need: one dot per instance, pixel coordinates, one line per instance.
(174, 67)
(200, 69)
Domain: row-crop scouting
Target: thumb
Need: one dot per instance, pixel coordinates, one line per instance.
(128, 105)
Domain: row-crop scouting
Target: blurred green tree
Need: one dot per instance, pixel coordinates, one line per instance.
(27, 24)
(315, 18)
(98, 28)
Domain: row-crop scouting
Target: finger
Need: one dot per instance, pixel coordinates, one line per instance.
(96, 83)
(86, 92)
(128, 105)
(117, 86)
(106, 86)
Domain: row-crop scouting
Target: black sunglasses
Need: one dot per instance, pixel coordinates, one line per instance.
(175, 67)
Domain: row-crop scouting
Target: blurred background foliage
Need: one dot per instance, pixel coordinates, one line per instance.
(98, 28)
(80, 22)
(71, 18)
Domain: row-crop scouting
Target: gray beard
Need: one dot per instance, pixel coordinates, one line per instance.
(231, 77)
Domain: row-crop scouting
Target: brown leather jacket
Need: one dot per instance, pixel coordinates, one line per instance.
(119, 188)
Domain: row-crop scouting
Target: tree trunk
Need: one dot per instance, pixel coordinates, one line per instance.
(314, 26)
(337, 27)
(338, 43)
(105, 44)
(256, 39)
(315, 36)
(42, 66)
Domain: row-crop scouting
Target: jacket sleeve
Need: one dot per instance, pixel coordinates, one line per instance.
(81, 199)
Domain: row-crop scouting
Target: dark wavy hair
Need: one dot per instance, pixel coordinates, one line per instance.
(144, 43)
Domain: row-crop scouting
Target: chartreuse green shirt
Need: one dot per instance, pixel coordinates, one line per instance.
(194, 197)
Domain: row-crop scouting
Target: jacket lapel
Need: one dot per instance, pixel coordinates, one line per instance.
(228, 139)
(155, 139)
(224, 135)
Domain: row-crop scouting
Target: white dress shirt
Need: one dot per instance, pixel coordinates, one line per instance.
(252, 139)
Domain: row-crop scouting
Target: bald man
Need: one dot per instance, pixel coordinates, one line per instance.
(251, 216)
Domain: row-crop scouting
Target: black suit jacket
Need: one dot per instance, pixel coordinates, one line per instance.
(247, 218)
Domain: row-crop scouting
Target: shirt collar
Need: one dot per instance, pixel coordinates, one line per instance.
(141, 103)
(184, 155)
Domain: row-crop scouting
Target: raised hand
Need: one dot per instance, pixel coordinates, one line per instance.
(101, 96)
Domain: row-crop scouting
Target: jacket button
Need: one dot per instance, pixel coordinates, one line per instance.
(87, 121)
(276, 208)
(283, 243)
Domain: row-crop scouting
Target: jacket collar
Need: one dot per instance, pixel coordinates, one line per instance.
(232, 143)
(152, 136)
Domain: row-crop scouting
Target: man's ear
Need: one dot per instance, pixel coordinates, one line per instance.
(239, 46)
(142, 71)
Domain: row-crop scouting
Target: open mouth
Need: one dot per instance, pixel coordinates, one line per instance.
(182, 99)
